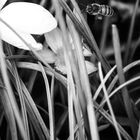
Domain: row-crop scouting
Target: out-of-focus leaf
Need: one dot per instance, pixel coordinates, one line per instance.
(28, 17)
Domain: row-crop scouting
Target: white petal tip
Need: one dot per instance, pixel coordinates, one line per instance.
(90, 67)
(39, 46)
(86, 52)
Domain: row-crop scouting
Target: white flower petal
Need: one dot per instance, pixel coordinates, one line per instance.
(61, 68)
(2, 2)
(86, 52)
(90, 67)
(28, 17)
(48, 55)
(8, 36)
(54, 39)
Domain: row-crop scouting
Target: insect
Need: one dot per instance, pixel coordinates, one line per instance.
(99, 10)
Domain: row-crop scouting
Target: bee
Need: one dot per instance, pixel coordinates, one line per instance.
(99, 10)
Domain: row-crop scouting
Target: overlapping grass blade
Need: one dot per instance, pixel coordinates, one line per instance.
(9, 114)
(109, 118)
(20, 93)
(50, 107)
(108, 102)
(32, 108)
(120, 87)
(87, 35)
(10, 94)
(105, 80)
(34, 66)
(85, 85)
(32, 81)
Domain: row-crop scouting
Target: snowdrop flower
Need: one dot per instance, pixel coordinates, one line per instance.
(26, 19)
(55, 55)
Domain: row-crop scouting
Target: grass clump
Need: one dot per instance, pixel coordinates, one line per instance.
(71, 88)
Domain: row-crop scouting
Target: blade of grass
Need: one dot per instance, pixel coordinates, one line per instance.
(42, 2)
(50, 108)
(80, 101)
(52, 89)
(85, 85)
(105, 80)
(10, 93)
(104, 34)
(32, 81)
(120, 87)
(82, 96)
(114, 81)
(61, 121)
(20, 93)
(67, 48)
(87, 34)
(130, 33)
(126, 69)
(108, 101)
(109, 118)
(1, 115)
(35, 111)
(71, 92)
(30, 111)
(34, 122)
(8, 111)
(33, 66)
(67, 54)
(33, 107)
(138, 133)
(125, 95)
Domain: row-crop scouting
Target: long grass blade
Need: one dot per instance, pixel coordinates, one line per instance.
(126, 98)
(80, 101)
(104, 34)
(11, 95)
(86, 86)
(107, 116)
(71, 91)
(138, 133)
(137, 113)
(20, 93)
(108, 101)
(32, 81)
(49, 99)
(9, 114)
(105, 80)
(126, 69)
(33, 66)
(32, 105)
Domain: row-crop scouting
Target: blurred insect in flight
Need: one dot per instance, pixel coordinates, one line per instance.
(99, 10)
(96, 9)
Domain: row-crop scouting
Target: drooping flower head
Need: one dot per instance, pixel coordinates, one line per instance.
(26, 19)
